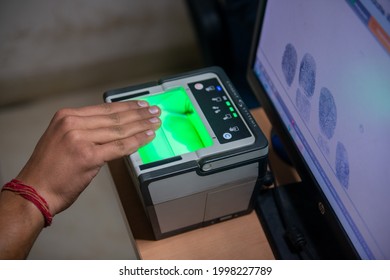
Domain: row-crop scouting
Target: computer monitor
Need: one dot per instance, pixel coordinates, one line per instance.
(321, 70)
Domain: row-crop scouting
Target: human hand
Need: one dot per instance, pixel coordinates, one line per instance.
(78, 142)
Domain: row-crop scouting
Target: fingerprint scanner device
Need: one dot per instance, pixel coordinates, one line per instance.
(207, 156)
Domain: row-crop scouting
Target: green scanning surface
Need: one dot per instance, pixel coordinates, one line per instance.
(182, 130)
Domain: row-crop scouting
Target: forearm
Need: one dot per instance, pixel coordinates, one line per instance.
(77, 143)
(20, 224)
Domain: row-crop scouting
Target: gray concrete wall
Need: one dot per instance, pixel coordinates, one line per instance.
(49, 47)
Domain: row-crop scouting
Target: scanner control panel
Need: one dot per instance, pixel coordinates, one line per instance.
(219, 110)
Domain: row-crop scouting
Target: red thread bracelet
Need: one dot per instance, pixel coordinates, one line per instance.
(31, 195)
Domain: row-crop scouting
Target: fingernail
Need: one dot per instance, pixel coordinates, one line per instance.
(153, 110)
(149, 132)
(142, 103)
(154, 120)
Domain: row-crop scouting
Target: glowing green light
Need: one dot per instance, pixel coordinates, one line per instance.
(231, 109)
(235, 115)
(182, 130)
(228, 103)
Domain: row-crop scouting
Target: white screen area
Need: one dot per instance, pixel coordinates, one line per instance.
(326, 68)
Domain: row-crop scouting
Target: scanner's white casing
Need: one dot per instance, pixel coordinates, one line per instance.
(202, 187)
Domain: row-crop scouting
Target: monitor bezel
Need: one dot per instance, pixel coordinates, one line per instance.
(326, 215)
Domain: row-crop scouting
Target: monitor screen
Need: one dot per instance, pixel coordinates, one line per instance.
(322, 72)
(182, 130)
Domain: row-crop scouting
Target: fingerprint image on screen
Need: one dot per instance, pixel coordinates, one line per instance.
(307, 74)
(323, 145)
(182, 130)
(327, 113)
(303, 105)
(342, 165)
(289, 63)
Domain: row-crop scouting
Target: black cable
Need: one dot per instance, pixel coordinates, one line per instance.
(293, 234)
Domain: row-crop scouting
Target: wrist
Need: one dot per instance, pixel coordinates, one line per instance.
(44, 187)
(29, 194)
(18, 208)
(21, 222)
